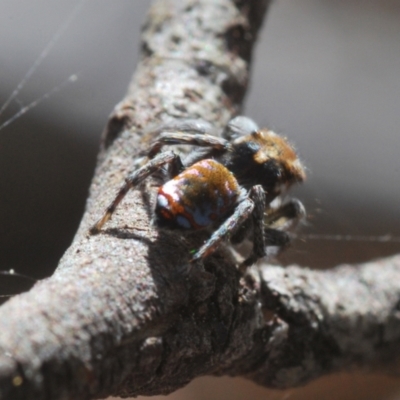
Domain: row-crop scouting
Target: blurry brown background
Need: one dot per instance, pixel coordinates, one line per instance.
(326, 73)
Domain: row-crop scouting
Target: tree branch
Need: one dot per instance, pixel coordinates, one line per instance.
(326, 321)
(125, 314)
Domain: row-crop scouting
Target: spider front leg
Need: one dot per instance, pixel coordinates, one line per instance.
(134, 179)
(193, 139)
(242, 212)
(287, 216)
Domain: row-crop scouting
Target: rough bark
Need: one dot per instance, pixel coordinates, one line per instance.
(125, 314)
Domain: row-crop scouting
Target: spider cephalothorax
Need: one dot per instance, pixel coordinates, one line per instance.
(231, 180)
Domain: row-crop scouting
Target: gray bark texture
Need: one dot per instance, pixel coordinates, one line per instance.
(124, 314)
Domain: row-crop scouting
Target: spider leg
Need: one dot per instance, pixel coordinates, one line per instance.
(286, 216)
(201, 153)
(275, 237)
(242, 233)
(242, 212)
(134, 179)
(236, 127)
(194, 139)
(257, 194)
(273, 226)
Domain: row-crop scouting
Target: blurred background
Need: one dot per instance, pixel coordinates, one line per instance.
(326, 74)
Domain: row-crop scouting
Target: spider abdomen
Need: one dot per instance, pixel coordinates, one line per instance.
(196, 198)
